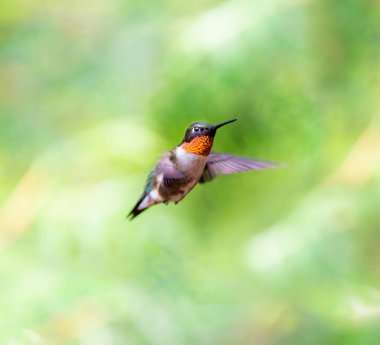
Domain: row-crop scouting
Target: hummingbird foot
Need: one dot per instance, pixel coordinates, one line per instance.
(166, 203)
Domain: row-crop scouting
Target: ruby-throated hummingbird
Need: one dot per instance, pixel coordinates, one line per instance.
(189, 163)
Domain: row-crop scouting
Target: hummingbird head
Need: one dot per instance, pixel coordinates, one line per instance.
(199, 137)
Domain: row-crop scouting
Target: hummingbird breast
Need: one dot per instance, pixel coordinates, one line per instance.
(192, 166)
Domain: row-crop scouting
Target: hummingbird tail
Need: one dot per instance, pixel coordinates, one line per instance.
(137, 209)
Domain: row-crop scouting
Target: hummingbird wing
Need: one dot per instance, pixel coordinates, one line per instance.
(167, 167)
(225, 164)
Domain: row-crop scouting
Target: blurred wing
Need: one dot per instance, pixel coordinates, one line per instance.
(168, 168)
(224, 164)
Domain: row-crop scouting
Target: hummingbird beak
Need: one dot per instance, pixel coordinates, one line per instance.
(222, 124)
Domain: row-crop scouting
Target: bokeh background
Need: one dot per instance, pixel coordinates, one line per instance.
(92, 92)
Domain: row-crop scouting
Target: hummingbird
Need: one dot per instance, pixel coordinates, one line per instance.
(189, 163)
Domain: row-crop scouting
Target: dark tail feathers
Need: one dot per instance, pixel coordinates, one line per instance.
(135, 212)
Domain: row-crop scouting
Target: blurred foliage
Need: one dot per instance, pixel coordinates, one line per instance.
(92, 92)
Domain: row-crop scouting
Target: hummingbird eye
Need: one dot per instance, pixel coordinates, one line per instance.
(196, 129)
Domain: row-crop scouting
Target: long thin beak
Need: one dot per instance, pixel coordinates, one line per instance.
(223, 123)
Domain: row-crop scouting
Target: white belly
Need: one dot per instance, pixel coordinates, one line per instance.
(193, 165)
(190, 163)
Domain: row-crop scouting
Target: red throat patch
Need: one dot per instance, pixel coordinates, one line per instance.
(200, 145)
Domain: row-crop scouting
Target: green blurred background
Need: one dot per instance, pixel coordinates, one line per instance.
(92, 92)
